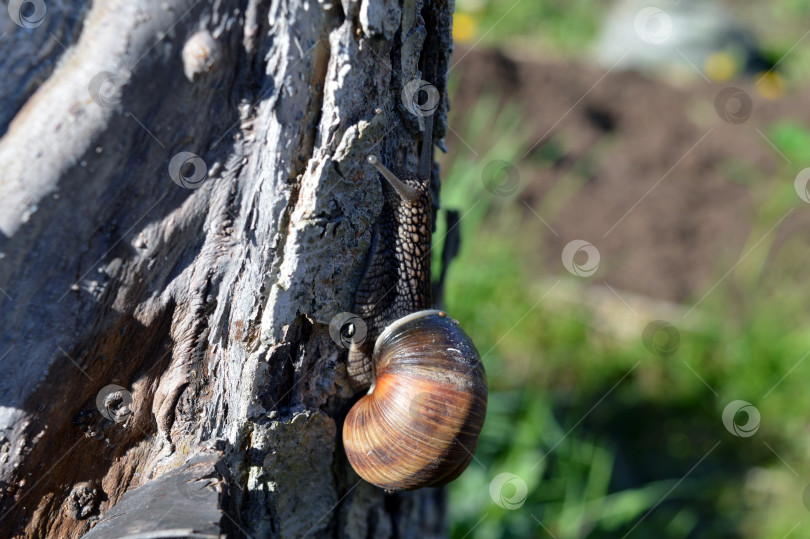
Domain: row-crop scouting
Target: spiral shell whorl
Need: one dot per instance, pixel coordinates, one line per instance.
(419, 424)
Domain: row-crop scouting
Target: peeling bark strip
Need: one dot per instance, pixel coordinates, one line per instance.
(184, 206)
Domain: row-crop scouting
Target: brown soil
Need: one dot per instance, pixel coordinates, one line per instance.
(658, 197)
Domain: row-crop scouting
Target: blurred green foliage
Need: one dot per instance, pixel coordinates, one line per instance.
(567, 26)
(609, 439)
(570, 28)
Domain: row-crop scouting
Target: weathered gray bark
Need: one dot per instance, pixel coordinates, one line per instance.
(209, 306)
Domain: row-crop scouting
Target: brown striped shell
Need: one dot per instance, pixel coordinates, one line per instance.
(418, 425)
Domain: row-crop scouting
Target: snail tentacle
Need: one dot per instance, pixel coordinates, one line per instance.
(408, 193)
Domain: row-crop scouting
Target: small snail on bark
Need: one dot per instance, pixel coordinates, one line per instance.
(418, 426)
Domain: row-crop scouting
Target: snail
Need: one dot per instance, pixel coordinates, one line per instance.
(419, 423)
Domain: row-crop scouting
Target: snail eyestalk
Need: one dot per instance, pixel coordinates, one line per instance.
(426, 157)
(405, 191)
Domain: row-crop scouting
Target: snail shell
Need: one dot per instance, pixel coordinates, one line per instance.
(418, 425)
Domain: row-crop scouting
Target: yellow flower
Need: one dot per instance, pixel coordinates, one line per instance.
(464, 27)
(720, 66)
(770, 85)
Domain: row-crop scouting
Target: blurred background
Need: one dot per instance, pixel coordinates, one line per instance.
(630, 180)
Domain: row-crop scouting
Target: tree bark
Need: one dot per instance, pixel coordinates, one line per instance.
(166, 360)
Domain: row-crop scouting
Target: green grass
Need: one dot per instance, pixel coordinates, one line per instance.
(606, 436)
(563, 26)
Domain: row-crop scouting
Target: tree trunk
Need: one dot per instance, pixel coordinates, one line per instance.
(184, 208)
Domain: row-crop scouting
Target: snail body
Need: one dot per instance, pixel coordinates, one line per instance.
(419, 423)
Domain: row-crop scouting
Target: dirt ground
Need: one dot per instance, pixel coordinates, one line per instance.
(669, 189)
